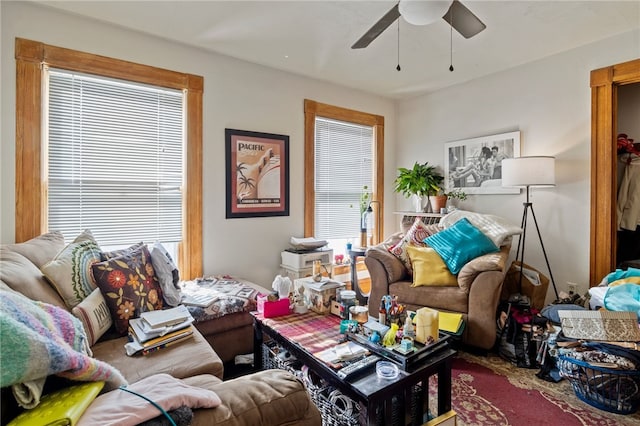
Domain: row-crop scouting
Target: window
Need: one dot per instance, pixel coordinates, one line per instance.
(142, 180)
(114, 157)
(343, 155)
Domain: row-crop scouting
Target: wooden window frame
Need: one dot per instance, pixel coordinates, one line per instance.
(31, 186)
(313, 109)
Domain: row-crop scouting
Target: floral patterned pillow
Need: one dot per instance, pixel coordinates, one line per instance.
(129, 285)
(414, 237)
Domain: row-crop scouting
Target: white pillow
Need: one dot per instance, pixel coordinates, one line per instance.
(94, 314)
(494, 227)
(167, 274)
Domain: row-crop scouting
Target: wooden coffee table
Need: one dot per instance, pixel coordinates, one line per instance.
(399, 401)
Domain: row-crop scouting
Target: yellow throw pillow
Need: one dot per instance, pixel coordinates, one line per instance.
(429, 269)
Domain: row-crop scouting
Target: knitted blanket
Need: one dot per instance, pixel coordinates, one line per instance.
(39, 339)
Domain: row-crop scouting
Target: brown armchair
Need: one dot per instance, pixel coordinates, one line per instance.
(476, 296)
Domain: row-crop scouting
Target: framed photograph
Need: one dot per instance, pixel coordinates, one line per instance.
(474, 165)
(257, 174)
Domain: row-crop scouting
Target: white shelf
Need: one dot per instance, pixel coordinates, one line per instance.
(409, 217)
(421, 214)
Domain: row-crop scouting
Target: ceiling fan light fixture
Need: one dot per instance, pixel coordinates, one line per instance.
(421, 12)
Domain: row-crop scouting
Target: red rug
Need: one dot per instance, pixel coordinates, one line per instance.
(489, 391)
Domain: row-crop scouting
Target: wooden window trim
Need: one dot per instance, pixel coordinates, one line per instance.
(313, 109)
(31, 187)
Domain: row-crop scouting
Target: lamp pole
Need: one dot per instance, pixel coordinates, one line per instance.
(529, 206)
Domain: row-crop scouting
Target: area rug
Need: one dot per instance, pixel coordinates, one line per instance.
(489, 391)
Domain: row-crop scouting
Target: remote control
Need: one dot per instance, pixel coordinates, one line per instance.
(358, 366)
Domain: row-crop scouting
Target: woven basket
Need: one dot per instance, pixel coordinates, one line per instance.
(616, 391)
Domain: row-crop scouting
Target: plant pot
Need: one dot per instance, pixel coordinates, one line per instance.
(437, 202)
(416, 201)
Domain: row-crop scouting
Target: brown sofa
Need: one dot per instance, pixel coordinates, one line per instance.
(272, 397)
(476, 296)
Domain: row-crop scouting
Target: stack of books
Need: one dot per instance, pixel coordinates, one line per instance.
(155, 330)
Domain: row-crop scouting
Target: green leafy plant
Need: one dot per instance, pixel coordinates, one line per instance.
(456, 193)
(421, 180)
(364, 199)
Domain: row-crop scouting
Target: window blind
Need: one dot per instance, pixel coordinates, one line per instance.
(343, 167)
(115, 158)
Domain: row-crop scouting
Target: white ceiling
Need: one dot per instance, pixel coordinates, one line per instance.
(313, 38)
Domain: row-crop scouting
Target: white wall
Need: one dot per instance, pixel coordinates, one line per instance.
(549, 101)
(237, 95)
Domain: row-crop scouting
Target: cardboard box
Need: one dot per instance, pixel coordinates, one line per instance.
(335, 308)
(537, 292)
(319, 294)
(342, 274)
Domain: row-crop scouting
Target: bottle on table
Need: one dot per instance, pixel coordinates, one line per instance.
(382, 313)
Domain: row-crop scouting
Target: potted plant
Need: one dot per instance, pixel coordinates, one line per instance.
(417, 182)
(440, 201)
(456, 193)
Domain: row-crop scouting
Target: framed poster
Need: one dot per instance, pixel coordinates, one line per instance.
(474, 165)
(257, 174)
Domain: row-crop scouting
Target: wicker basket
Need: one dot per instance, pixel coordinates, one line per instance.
(335, 408)
(616, 391)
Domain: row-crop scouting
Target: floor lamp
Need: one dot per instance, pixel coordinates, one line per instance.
(527, 172)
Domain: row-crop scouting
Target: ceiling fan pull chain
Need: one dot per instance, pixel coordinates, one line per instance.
(398, 67)
(451, 39)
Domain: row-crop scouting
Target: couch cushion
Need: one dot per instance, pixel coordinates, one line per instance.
(41, 249)
(129, 285)
(452, 299)
(191, 357)
(21, 275)
(429, 269)
(460, 243)
(258, 398)
(495, 227)
(70, 271)
(94, 314)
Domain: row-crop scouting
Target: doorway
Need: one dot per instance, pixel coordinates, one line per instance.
(604, 119)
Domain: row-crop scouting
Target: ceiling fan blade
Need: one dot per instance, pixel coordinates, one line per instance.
(464, 21)
(389, 18)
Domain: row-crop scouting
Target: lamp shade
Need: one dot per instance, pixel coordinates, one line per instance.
(422, 12)
(529, 171)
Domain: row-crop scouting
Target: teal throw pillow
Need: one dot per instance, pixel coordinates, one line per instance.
(459, 244)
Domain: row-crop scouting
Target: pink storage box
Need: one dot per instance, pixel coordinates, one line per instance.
(273, 309)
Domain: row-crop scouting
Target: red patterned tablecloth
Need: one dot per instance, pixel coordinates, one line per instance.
(312, 331)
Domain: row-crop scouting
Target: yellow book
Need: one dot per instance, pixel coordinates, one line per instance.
(449, 322)
(60, 408)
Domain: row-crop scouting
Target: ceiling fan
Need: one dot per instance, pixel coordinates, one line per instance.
(422, 13)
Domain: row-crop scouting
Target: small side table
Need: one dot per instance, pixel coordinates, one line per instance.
(354, 253)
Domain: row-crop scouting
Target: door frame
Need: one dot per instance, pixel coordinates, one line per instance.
(604, 114)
